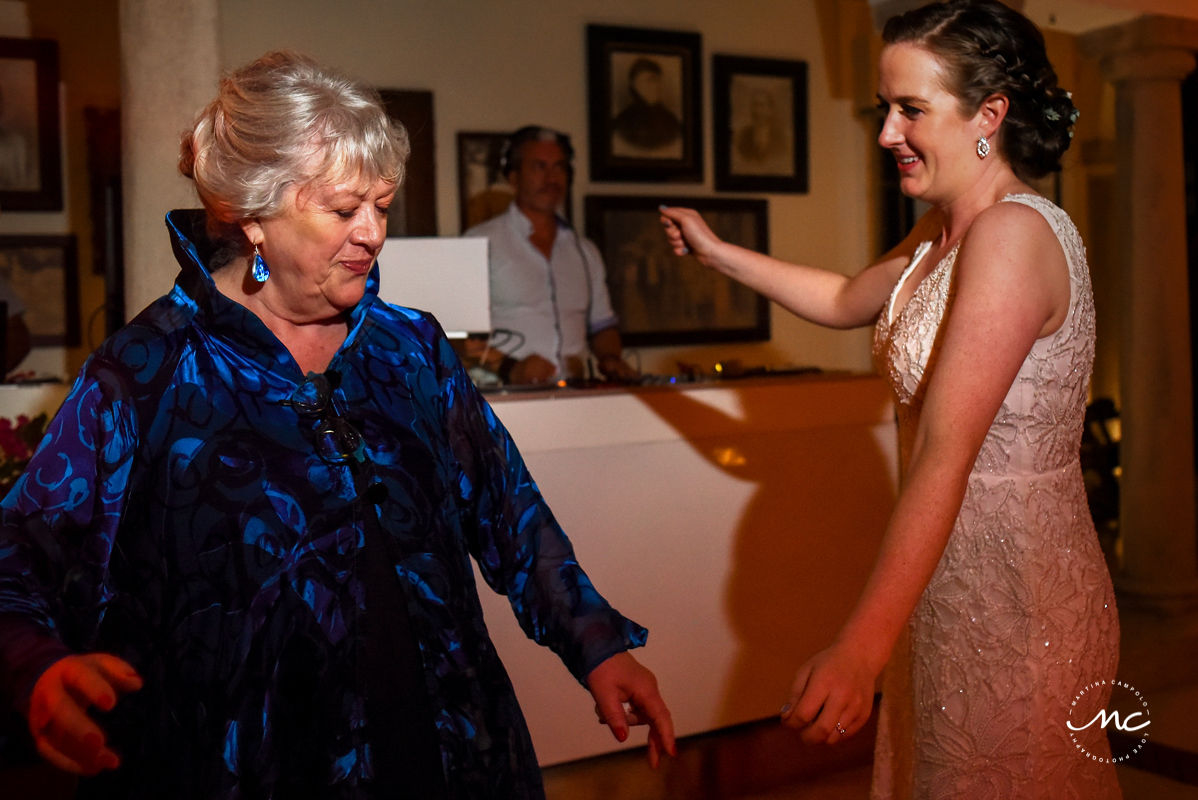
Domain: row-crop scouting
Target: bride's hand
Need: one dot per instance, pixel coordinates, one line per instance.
(832, 696)
(689, 234)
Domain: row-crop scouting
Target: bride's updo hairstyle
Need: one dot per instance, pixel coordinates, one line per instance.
(281, 121)
(986, 49)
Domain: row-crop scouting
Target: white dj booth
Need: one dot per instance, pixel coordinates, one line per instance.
(736, 521)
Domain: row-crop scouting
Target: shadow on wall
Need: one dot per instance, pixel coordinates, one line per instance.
(805, 543)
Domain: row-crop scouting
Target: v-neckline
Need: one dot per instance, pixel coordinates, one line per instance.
(920, 251)
(916, 258)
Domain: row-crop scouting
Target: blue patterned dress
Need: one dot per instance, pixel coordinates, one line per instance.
(196, 510)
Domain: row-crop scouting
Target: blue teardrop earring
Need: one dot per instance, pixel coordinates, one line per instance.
(260, 271)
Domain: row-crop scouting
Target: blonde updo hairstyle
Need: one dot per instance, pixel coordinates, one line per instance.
(282, 121)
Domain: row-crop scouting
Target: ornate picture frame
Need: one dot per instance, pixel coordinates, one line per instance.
(759, 110)
(645, 109)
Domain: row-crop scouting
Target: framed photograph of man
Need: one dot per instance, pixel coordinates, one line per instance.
(665, 299)
(43, 271)
(30, 144)
(760, 118)
(644, 104)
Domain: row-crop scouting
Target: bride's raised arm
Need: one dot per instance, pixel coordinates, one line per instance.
(818, 295)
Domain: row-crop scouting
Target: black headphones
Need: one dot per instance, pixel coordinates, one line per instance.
(533, 133)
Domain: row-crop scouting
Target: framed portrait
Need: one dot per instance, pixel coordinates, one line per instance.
(760, 118)
(645, 112)
(483, 191)
(42, 271)
(665, 299)
(30, 151)
(414, 210)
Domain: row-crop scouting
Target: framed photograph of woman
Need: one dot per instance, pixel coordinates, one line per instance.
(30, 160)
(664, 299)
(644, 104)
(760, 113)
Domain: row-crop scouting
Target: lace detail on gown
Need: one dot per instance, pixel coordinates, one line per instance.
(1019, 614)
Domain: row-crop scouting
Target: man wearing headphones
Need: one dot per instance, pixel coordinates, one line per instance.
(549, 297)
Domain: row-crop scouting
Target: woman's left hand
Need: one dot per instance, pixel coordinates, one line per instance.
(626, 694)
(832, 696)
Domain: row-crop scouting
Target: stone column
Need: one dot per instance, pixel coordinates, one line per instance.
(170, 64)
(1146, 60)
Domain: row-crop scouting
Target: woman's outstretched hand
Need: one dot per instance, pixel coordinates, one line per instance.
(62, 730)
(688, 234)
(832, 696)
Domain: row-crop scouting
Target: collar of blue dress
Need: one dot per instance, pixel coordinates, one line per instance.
(196, 252)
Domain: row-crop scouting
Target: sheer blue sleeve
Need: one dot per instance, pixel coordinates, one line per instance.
(521, 550)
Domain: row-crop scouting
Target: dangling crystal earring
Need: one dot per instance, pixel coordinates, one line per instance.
(260, 271)
(983, 147)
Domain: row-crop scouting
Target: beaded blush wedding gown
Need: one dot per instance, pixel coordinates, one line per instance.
(1019, 614)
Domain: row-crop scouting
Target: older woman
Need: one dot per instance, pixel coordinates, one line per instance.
(990, 567)
(247, 537)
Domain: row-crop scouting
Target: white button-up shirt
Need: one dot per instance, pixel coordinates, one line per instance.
(552, 305)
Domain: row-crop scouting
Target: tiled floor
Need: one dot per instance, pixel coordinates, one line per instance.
(763, 762)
